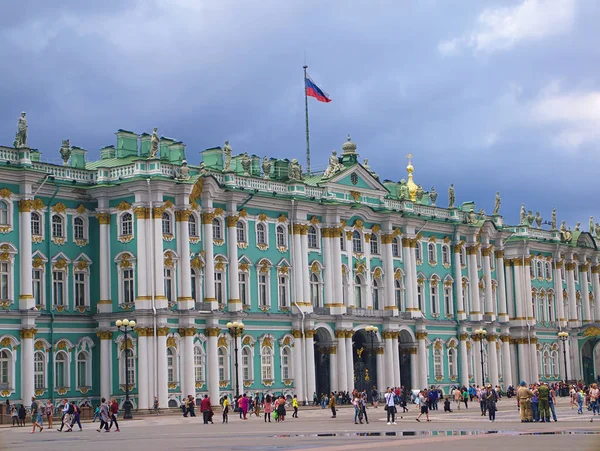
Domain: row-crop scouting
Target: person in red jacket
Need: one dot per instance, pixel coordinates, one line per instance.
(114, 411)
(206, 409)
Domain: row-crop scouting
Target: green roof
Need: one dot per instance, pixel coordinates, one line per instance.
(111, 162)
(313, 180)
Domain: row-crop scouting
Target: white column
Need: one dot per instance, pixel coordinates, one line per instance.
(333, 365)
(528, 300)
(476, 351)
(368, 276)
(298, 368)
(184, 300)
(297, 266)
(142, 368)
(159, 267)
(506, 362)
(336, 270)
(389, 360)
(510, 288)
(342, 375)
(349, 360)
(143, 299)
(105, 363)
(379, 357)
(328, 298)
(523, 351)
(212, 362)
(311, 385)
(161, 361)
(413, 275)
(463, 360)
(460, 302)
(596, 288)
(350, 276)
(519, 289)
(396, 359)
(105, 303)
(475, 309)
(492, 358)
(305, 268)
(27, 382)
(558, 294)
(188, 383)
(408, 264)
(422, 358)
(502, 308)
(209, 267)
(489, 310)
(388, 269)
(234, 303)
(585, 293)
(26, 300)
(570, 275)
(153, 389)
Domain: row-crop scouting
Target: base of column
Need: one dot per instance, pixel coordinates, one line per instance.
(461, 316)
(489, 317)
(104, 306)
(414, 312)
(185, 303)
(26, 302)
(143, 303)
(212, 303)
(337, 310)
(161, 302)
(392, 309)
(234, 305)
(503, 318)
(305, 307)
(475, 316)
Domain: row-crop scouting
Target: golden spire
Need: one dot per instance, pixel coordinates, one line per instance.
(412, 187)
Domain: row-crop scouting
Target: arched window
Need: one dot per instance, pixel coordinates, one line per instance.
(199, 363)
(452, 363)
(555, 363)
(5, 281)
(78, 229)
(39, 370)
(418, 253)
(247, 373)
(547, 364)
(127, 223)
(61, 371)
(240, 230)
(431, 254)
(129, 377)
(83, 369)
(434, 298)
(358, 290)
(59, 287)
(448, 301)
(58, 230)
(280, 235)
(261, 235)
(315, 290)
(243, 287)
(445, 255)
(463, 257)
(285, 363)
(36, 224)
(357, 244)
(192, 226)
(4, 219)
(128, 283)
(223, 365)
(540, 268)
(312, 238)
(263, 290)
(548, 271)
(217, 230)
(266, 363)
(374, 244)
(169, 283)
(171, 366)
(396, 247)
(438, 363)
(6, 369)
(376, 289)
(399, 294)
(167, 226)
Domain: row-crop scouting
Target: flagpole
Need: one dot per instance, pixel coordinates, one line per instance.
(307, 132)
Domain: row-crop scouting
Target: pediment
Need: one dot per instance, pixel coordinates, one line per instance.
(355, 177)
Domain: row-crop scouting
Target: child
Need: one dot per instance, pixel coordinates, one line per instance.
(96, 413)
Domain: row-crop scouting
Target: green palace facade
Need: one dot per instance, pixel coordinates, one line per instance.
(306, 261)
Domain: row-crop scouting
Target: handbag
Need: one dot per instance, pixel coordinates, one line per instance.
(386, 407)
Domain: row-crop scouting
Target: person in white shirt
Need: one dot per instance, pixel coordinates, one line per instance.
(390, 406)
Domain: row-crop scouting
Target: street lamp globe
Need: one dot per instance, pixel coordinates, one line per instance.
(229, 325)
(125, 322)
(240, 325)
(235, 324)
(118, 323)
(131, 323)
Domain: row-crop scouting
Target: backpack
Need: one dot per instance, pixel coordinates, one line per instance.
(71, 410)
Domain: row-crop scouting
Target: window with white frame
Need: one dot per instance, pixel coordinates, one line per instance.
(396, 247)
(243, 287)
(285, 363)
(247, 364)
(240, 232)
(550, 306)
(261, 233)
(376, 297)
(196, 279)
(6, 369)
(59, 287)
(374, 244)
(83, 369)
(266, 363)
(169, 282)
(167, 223)
(342, 241)
(61, 370)
(79, 228)
(81, 288)
(315, 290)
(532, 270)
(540, 268)
(220, 287)
(420, 296)
(37, 280)
(399, 294)
(193, 226)
(431, 252)
(282, 290)
(36, 224)
(5, 281)
(280, 236)
(4, 213)
(463, 257)
(39, 370)
(357, 244)
(217, 229)
(126, 228)
(438, 363)
(448, 301)
(434, 298)
(127, 375)
(199, 363)
(452, 363)
(58, 226)
(263, 289)
(128, 285)
(312, 237)
(171, 366)
(223, 365)
(358, 291)
(418, 254)
(555, 363)
(445, 255)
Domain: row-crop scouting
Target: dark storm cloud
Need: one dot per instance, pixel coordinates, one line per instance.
(494, 95)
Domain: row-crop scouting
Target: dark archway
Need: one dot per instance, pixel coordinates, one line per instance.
(365, 362)
(323, 346)
(406, 348)
(587, 361)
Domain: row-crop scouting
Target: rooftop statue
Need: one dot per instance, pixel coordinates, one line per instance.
(597, 228)
(564, 233)
(523, 216)
(266, 167)
(420, 193)
(184, 171)
(497, 204)
(295, 170)
(553, 222)
(402, 191)
(202, 167)
(577, 226)
(451, 196)
(246, 161)
(530, 218)
(65, 151)
(334, 165)
(227, 152)
(21, 136)
(433, 196)
(154, 141)
(591, 225)
(472, 217)
(538, 219)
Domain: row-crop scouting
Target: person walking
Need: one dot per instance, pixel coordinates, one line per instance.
(96, 413)
(579, 398)
(205, 409)
(114, 412)
(155, 406)
(22, 415)
(551, 402)
(14, 412)
(457, 397)
(374, 397)
(67, 412)
(268, 407)
(357, 409)
(36, 415)
(465, 395)
(424, 407)
(49, 412)
(225, 409)
(363, 406)
(390, 406)
(524, 396)
(76, 417)
(491, 400)
(332, 403)
(594, 398)
(104, 416)
(295, 406)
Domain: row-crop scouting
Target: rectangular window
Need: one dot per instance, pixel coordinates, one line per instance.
(420, 297)
(80, 292)
(246, 366)
(58, 285)
(283, 301)
(194, 291)
(267, 373)
(128, 284)
(219, 287)
(4, 280)
(243, 287)
(38, 371)
(169, 284)
(262, 289)
(81, 373)
(37, 282)
(448, 300)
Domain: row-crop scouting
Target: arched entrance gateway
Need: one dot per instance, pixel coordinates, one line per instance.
(408, 352)
(324, 349)
(590, 360)
(364, 361)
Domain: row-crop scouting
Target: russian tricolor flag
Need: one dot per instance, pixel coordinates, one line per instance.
(313, 90)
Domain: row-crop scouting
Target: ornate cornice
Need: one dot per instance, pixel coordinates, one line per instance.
(297, 333)
(463, 336)
(499, 253)
(25, 205)
(570, 266)
(141, 212)
(310, 333)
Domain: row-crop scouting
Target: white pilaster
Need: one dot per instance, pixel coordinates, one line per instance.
(298, 368)
(463, 360)
(143, 369)
(570, 276)
(379, 357)
(143, 299)
(396, 359)
(523, 351)
(533, 360)
(305, 268)
(161, 360)
(152, 387)
(489, 308)
(185, 300)
(408, 264)
(333, 365)
(475, 309)
(105, 303)
(389, 361)
(388, 269)
(596, 288)
(26, 300)
(188, 383)
(349, 360)
(492, 358)
(519, 289)
(27, 370)
(336, 270)
(510, 289)
(368, 276)
(297, 266)
(413, 370)
(209, 267)
(460, 302)
(342, 374)
(105, 363)
(422, 358)
(585, 293)
(234, 303)
(476, 351)
(558, 294)
(159, 267)
(506, 362)
(328, 298)
(213, 361)
(502, 307)
(311, 384)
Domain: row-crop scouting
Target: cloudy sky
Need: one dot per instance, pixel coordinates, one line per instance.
(491, 95)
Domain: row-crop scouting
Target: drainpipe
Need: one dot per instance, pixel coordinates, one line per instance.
(48, 296)
(152, 276)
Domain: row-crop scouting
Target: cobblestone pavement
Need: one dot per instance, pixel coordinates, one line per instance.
(462, 430)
